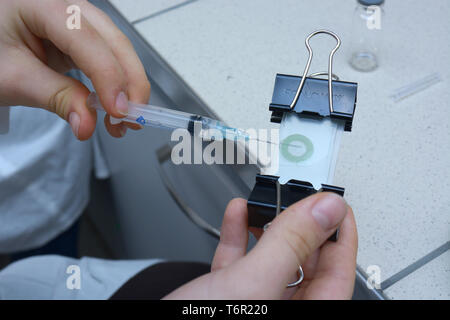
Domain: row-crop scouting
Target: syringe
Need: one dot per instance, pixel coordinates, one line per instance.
(149, 115)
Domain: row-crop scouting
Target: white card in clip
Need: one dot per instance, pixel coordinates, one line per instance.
(308, 149)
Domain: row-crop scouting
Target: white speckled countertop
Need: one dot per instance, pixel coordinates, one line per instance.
(394, 164)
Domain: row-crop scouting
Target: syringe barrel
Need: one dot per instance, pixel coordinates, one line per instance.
(154, 116)
(149, 115)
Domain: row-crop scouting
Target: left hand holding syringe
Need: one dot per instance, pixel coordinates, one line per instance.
(36, 51)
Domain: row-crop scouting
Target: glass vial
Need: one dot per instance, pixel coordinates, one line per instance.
(367, 21)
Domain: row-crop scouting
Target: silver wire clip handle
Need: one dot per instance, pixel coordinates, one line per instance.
(330, 68)
(301, 275)
(313, 96)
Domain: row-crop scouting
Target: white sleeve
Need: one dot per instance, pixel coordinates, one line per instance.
(52, 277)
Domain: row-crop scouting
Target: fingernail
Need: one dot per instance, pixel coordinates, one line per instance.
(74, 120)
(329, 211)
(122, 103)
(114, 121)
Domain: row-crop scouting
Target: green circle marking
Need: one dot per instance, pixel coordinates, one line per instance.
(297, 138)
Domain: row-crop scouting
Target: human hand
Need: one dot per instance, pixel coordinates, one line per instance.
(36, 47)
(296, 237)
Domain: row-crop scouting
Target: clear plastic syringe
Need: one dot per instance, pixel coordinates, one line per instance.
(154, 116)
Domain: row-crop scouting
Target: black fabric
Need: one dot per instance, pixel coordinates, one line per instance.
(66, 244)
(158, 280)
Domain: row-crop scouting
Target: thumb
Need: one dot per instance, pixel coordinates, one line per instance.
(293, 236)
(34, 84)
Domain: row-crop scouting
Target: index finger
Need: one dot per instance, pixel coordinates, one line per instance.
(85, 46)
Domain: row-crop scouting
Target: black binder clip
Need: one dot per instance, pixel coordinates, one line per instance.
(308, 96)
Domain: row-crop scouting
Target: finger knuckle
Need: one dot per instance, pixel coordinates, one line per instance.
(123, 39)
(59, 101)
(108, 70)
(146, 86)
(143, 85)
(298, 243)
